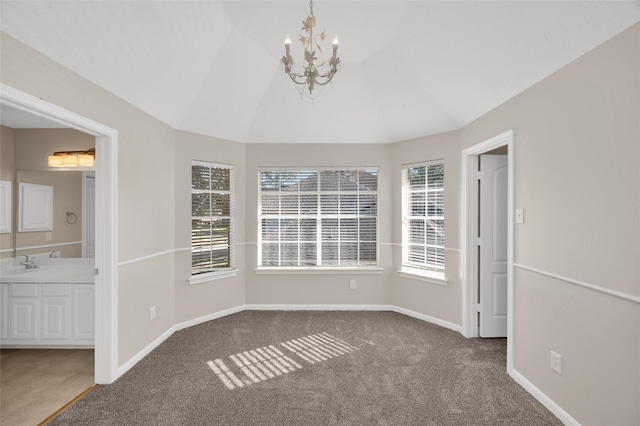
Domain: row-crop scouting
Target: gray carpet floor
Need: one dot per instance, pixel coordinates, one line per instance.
(315, 368)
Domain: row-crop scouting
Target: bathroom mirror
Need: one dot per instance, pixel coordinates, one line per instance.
(65, 234)
(23, 160)
(5, 207)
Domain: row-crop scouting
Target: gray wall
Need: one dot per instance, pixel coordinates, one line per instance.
(442, 302)
(146, 215)
(194, 301)
(319, 288)
(577, 175)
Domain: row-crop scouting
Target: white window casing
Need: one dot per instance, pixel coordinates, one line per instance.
(212, 221)
(318, 219)
(423, 245)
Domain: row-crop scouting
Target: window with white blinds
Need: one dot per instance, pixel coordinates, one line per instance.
(211, 217)
(318, 218)
(423, 216)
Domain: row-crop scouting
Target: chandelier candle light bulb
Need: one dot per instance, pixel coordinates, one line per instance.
(312, 74)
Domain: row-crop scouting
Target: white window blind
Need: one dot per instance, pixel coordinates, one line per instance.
(423, 216)
(315, 218)
(211, 217)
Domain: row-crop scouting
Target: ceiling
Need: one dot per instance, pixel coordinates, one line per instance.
(408, 68)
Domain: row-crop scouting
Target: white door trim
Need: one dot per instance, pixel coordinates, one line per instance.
(106, 285)
(85, 210)
(469, 215)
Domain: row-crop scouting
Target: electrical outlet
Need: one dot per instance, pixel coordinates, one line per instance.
(519, 215)
(556, 362)
(152, 312)
(352, 284)
(47, 236)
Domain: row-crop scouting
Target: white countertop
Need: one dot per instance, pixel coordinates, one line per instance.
(56, 271)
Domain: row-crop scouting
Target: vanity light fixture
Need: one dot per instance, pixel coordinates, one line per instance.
(311, 74)
(72, 158)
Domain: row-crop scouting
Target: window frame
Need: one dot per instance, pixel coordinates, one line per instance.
(223, 272)
(318, 216)
(414, 270)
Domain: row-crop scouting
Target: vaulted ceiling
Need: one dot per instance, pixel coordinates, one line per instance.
(408, 68)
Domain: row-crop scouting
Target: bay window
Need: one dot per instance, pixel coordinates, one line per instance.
(315, 218)
(423, 218)
(211, 218)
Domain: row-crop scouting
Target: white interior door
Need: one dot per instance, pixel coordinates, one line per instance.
(493, 245)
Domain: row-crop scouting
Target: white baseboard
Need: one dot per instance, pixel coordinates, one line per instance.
(427, 318)
(144, 352)
(209, 317)
(164, 336)
(317, 307)
(543, 399)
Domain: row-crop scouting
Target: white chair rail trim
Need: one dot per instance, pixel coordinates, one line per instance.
(615, 293)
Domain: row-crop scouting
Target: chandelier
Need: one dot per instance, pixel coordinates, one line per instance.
(314, 73)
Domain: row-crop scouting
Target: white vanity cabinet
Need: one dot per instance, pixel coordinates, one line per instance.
(55, 312)
(82, 312)
(4, 311)
(47, 315)
(24, 312)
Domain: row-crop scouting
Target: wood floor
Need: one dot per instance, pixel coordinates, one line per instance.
(35, 383)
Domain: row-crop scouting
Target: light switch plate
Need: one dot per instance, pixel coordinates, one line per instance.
(519, 215)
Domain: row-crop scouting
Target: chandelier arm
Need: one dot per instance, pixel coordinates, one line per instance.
(294, 76)
(329, 73)
(325, 83)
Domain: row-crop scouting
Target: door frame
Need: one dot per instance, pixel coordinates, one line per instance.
(470, 204)
(106, 280)
(85, 176)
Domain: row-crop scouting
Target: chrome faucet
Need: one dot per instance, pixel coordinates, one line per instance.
(29, 263)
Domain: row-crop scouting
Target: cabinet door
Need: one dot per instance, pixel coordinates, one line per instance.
(4, 311)
(55, 318)
(24, 318)
(82, 312)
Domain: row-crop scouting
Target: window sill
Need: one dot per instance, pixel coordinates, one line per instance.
(212, 276)
(426, 276)
(369, 270)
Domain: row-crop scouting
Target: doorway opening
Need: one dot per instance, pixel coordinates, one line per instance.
(106, 279)
(471, 226)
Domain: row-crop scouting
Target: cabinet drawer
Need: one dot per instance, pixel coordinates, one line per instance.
(55, 289)
(24, 290)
